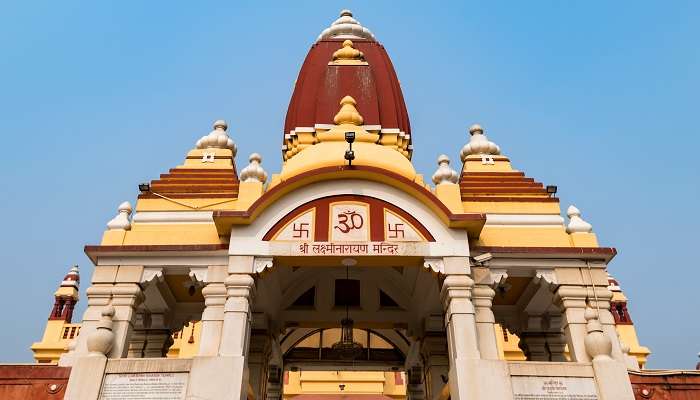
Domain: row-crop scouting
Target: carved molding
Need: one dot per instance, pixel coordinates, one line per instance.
(152, 276)
(546, 277)
(260, 264)
(435, 265)
(498, 277)
(198, 277)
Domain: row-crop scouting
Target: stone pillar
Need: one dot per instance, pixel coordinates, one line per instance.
(415, 388)
(235, 336)
(436, 363)
(137, 344)
(212, 318)
(274, 371)
(236, 327)
(533, 340)
(157, 343)
(258, 362)
(534, 346)
(572, 303)
(482, 296)
(462, 340)
(137, 340)
(98, 296)
(556, 341)
(125, 298)
(556, 344)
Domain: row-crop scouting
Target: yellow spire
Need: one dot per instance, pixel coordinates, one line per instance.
(348, 113)
(348, 55)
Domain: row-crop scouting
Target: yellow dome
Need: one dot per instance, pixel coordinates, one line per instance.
(328, 154)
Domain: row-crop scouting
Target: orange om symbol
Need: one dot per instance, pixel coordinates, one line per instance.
(348, 221)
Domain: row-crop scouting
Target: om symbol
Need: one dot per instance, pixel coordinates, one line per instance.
(348, 221)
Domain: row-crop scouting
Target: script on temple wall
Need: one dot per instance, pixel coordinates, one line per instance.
(553, 388)
(146, 386)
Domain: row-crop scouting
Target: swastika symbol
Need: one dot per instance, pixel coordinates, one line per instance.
(395, 230)
(301, 230)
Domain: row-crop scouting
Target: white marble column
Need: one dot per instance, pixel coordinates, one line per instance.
(572, 303)
(236, 327)
(235, 337)
(212, 318)
(460, 324)
(125, 298)
(482, 297)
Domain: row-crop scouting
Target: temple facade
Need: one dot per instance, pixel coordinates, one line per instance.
(347, 273)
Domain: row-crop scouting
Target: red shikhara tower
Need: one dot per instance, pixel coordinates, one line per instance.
(347, 60)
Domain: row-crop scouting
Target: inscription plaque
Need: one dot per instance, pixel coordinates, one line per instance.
(553, 388)
(145, 386)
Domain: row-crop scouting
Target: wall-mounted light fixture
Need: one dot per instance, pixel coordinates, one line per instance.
(145, 187)
(551, 190)
(349, 154)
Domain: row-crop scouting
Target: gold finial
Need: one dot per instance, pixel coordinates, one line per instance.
(348, 113)
(348, 52)
(348, 55)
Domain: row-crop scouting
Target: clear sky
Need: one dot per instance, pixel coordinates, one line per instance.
(600, 98)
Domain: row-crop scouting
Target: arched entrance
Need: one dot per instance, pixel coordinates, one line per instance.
(333, 255)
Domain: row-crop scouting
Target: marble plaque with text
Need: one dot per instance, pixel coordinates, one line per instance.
(553, 388)
(147, 386)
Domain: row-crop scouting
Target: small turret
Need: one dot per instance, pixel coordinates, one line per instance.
(60, 331)
(66, 296)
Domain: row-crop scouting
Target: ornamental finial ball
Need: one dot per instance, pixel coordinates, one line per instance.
(255, 157)
(443, 158)
(125, 207)
(346, 13)
(220, 123)
(476, 128)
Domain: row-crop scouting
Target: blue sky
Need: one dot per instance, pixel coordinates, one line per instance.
(600, 98)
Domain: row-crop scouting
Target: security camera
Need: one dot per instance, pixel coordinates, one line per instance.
(482, 258)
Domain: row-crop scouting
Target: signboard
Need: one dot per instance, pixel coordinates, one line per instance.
(553, 388)
(353, 249)
(146, 386)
